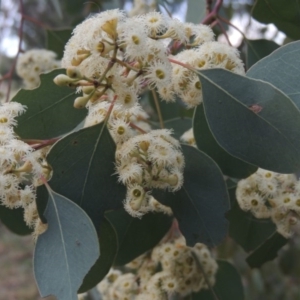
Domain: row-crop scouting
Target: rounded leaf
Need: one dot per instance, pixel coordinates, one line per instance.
(252, 120)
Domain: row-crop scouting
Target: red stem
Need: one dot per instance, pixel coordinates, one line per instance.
(33, 20)
(213, 13)
(44, 143)
(174, 61)
(224, 32)
(137, 128)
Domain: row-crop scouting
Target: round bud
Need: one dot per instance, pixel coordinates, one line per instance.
(80, 102)
(88, 89)
(62, 80)
(76, 61)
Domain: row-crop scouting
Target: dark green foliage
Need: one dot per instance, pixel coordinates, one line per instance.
(41, 201)
(284, 14)
(206, 142)
(13, 219)
(57, 39)
(83, 164)
(252, 120)
(200, 205)
(179, 125)
(228, 285)
(108, 249)
(47, 107)
(248, 231)
(66, 251)
(267, 251)
(258, 49)
(136, 236)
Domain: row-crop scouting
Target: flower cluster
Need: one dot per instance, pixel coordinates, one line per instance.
(20, 168)
(112, 59)
(181, 273)
(146, 162)
(117, 55)
(268, 194)
(34, 62)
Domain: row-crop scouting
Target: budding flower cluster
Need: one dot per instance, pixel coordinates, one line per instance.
(20, 168)
(112, 59)
(119, 55)
(147, 162)
(180, 273)
(34, 62)
(268, 194)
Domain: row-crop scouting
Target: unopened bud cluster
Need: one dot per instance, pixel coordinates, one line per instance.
(170, 269)
(34, 62)
(20, 168)
(268, 194)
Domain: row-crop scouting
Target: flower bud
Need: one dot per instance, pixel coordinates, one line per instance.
(76, 61)
(73, 72)
(103, 48)
(26, 167)
(88, 89)
(63, 80)
(80, 102)
(110, 27)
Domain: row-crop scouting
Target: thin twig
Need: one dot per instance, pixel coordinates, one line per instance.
(126, 65)
(158, 110)
(224, 32)
(33, 20)
(177, 62)
(132, 125)
(213, 14)
(232, 25)
(43, 144)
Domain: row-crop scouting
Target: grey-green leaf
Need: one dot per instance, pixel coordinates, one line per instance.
(196, 10)
(281, 68)
(66, 251)
(230, 165)
(84, 171)
(200, 205)
(50, 112)
(252, 120)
